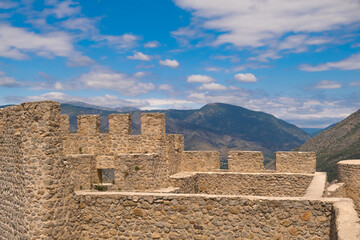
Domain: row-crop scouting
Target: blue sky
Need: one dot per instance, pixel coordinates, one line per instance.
(298, 60)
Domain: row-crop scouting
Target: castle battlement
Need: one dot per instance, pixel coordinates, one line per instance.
(91, 185)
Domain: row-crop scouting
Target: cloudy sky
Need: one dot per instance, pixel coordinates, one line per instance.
(298, 60)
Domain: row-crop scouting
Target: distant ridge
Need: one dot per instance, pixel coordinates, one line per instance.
(340, 142)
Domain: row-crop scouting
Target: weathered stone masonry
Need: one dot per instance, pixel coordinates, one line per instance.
(49, 176)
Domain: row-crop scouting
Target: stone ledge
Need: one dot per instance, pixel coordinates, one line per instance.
(347, 221)
(350, 162)
(189, 174)
(175, 195)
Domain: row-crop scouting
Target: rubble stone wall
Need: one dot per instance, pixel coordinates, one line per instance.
(178, 216)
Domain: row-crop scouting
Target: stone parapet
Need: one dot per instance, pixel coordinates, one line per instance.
(120, 124)
(245, 161)
(153, 124)
(200, 161)
(349, 174)
(233, 183)
(88, 124)
(295, 162)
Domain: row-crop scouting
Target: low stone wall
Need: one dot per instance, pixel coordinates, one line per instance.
(179, 216)
(295, 162)
(200, 161)
(255, 184)
(349, 174)
(245, 161)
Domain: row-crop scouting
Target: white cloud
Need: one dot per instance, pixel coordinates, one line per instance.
(152, 44)
(169, 63)
(16, 42)
(232, 58)
(139, 56)
(200, 78)
(107, 79)
(245, 77)
(83, 24)
(58, 86)
(78, 60)
(107, 100)
(166, 87)
(140, 74)
(350, 63)
(325, 84)
(213, 69)
(6, 81)
(4, 4)
(255, 23)
(63, 9)
(120, 42)
(355, 84)
(162, 103)
(212, 86)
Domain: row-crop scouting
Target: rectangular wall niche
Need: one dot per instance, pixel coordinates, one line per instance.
(106, 175)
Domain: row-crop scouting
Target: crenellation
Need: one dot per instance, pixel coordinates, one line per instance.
(153, 124)
(52, 183)
(120, 124)
(245, 161)
(200, 161)
(88, 124)
(295, 162)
